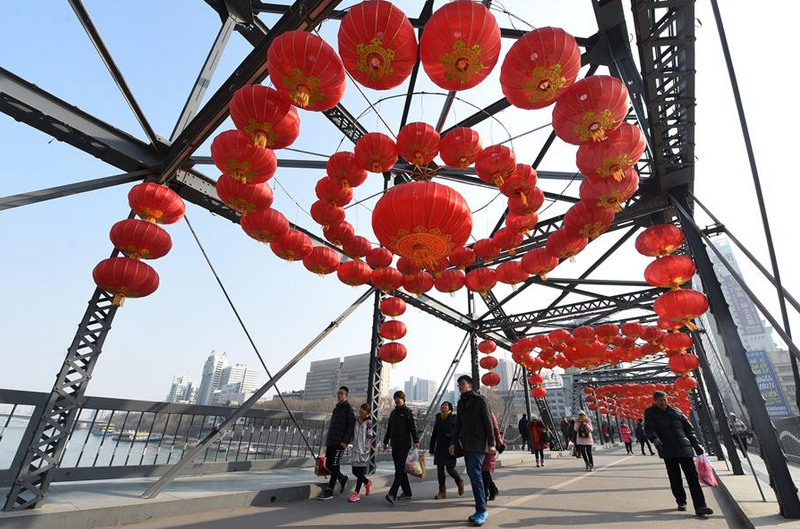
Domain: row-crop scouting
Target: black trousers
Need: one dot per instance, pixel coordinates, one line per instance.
(488, 483)
(333, 460)
(629, 447)
(538, 453)
(399, 455)
(361, 477)
(586, 453)
(451, 470)
(674, 467)
(649, 446)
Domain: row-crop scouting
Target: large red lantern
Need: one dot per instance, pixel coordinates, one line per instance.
(587, 221)
(612, 157)
(244, 198)
(386, 279)
(659, 240)
(489, 379)
(653, 335)
(507, 239)
(156, 203)
(460, 147)
(321, 261)
(538, 392)
(125, 278)
(344, 168)
(606, 332)
(379, 257)
(686, 383)
(392, 330)
(418, 143)
(535, 379)
(235, 154)
(449, 281)
(564, 245)
(392, 352)
(609, 193)
(522, 223)
(539, 262)
(462, 257)
(266, 116)
(488, 362)
(590, 109)
(325, 214)
(539, 67)
(495, 163)
(354, 273)
(392, 307)
(357, 247)
(377, 44)
(522, 181)
(481, 280)
(460, 45)
(633, 329)
(339, 234)
(265, 226)
(526, 203)
(511, 273)
(677, 341)
(376, 152)
(139, 239)
(408, 266)
(486, 249)
(670, 271)
(487, 347)
(418, 283)
(304, 68)
(293, 245)
(332, 192)
(424, 221)
(681, 306)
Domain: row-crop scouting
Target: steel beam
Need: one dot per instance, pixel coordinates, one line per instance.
(375, 375)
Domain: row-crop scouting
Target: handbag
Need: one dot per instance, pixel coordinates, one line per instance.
(705, 471)
(544, 437)
(319, 467)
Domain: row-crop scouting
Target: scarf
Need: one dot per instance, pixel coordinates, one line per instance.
(445, 415)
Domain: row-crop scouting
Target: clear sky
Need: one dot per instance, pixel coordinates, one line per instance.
(47, 251)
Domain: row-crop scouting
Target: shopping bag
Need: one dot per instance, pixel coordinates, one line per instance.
(319, 467)
(413, 465)
(422, 466)
(705, 471)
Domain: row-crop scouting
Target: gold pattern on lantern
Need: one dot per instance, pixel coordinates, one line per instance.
(543, 83)
(303, 91)
(375, 60)
(615, 167)
(462, 63)
(594, 126)
(261, 132)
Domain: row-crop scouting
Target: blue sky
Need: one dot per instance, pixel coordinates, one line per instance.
(47, 251)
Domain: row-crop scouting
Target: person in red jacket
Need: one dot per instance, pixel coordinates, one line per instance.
(539, 439)
(489, 462)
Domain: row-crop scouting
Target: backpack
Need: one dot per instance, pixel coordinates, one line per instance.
(544, 437)
(583, 431)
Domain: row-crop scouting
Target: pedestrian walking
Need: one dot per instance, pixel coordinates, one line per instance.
(604, 439)
(522, 426)
(474, 436)
(489, 462)
(625, 435)
(441, 439)
(565, 431)
(674, 438)
(539, 440)
(739, 431)
(402, 432)
(573, 437)
(340, 433)
(641, 437)
(363, 437)
(584, 439)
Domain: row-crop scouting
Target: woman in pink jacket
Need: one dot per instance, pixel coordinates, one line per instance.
(625, 434)
(584, 440)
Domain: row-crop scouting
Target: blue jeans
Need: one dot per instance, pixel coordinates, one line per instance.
(474, 460)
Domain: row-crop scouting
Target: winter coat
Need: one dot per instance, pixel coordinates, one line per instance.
(523, 428)
(640, 435)
(441, 439)
(474, 430)
(587, 441)
(537, 429)
(673, 429)
(340, 430)
(363, 438)
(625, 434)
(490, 460)
(402, 429)
(573, 433)
(566, 431)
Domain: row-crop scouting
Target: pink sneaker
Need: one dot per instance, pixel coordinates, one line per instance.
(354, 497)
(537, 464)
(368, 488)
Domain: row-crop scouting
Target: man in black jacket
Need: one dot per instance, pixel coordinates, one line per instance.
(340, 433)
(524, 431)
(402, 430)
(474, 435)
(674, 438)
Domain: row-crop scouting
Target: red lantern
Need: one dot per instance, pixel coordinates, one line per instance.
(265, 226)
(357, 247)
(460, 45)
(449, 281)
(418, 283)
(392, 307)
(511, 273)
(668, 324)
(659, 240)
(344, 168)
(293, 245)
(526, 203)
(488, 362)
(481, 280)
(460, 147)
(590, 109)
(670, 271)
(507, 239)
(235, 154)
(339, 234)
(321, 261)
(564, 245)
(677, 341)
(306, 69)
(139, 239)
(325, 214)
(436, 267)
(244, 198)
(535, 379)
(606, 333)
(681, 306)
(538, 262)
(522, 223)
(392, 352)
(587, 221)
(376, 152)
(585, 334)
(486, 249)
(522, 181)
(408, 266)
(354, 273)
(332, 192)
(392, 330)
(495, 163)
(379, 257)
(633, 329)
(612, 157)
(423, 221)
(538, 392)
(418, 143)
(489, 379)
(609, 193)
(462, 257)
(125, 278)
(377, 44)
(686, 383)
(386, 279)
(653, 335)
(266, 116)
(156, 203)
(539, 67)
(487, 347)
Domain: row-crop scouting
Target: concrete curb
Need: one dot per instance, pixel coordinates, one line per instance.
(736, 507)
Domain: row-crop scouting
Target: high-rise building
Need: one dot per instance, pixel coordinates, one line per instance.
(354, 373)
(505, 369)
(322, 379)
(419, 390)
(182, 391)
(242, 373)
(325, 376)
(212, 374)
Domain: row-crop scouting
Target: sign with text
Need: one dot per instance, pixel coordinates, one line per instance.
(768, 384)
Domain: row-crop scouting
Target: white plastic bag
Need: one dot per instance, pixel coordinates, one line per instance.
(415, 464)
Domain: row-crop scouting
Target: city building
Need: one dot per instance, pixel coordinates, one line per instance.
(505, 368)
(322, 379)
(419, 390)
(212, 374)
(291, 395)
(246, 375)
(325, 376)
(182, 390)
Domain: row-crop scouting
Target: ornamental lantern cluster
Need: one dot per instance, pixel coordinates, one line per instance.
(629, 401)
(489, 363)
(392, 330)
(128, 276)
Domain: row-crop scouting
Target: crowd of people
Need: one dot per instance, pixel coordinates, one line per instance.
(471, 431)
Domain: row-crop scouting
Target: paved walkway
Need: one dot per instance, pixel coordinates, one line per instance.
(623, 492)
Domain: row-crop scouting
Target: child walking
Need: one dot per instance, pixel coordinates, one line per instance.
(363, 437)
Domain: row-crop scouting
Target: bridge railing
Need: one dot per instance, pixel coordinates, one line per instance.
(789, 436)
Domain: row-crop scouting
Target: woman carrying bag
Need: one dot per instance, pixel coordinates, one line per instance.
(539, 440)
(440, 444)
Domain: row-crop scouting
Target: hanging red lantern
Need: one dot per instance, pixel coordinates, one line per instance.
(460, 147)
(564, 245)
(460, 45)
(418, 143)
(339, 234)
(462, 257)
(487, 347)
(686, 383)
(507, 239)
(357, 247)
(424, 221)
(304, 68)
(607, 332)
(522, 181)
(418, 283)
(677, 341)
(612, 157)
(265, 226)
(486, 249)
(235, 154)
(376, 152)
(481, 280)
(539, 67)
(392, 330)
(681, 306)
(488, 362)
(156, 203)
(343, 167)
(325, 214)
(354, 273)
(139, 239)
(535, 379)
(332, 192)
(125, 278)
(495, 163)
(321, 261)
(408, 266)
(587, 221)
(438, 266)
(585, 334)
(539, 262)
(392, 352)
(386, 279)
(522, 223)
(489, 379)
(379, 257)
(609, 193)
(293, 245)
(653, 335)
(449, 281)
(392, 307)
(538, 392)
(668, 324)
(670, 271)
(244, 198)
(633, 329)
(377, 44)
(659, 240)
(526, 203)
(268, 118)
(511, 273)
(590, 109)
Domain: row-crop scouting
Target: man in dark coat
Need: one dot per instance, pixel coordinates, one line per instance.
(573, 437)
(340, 433)
(524, 431)
(674, 438)
(642, 438)
(402, 430)
(474, 435)
(441, 438)
(565, 431)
